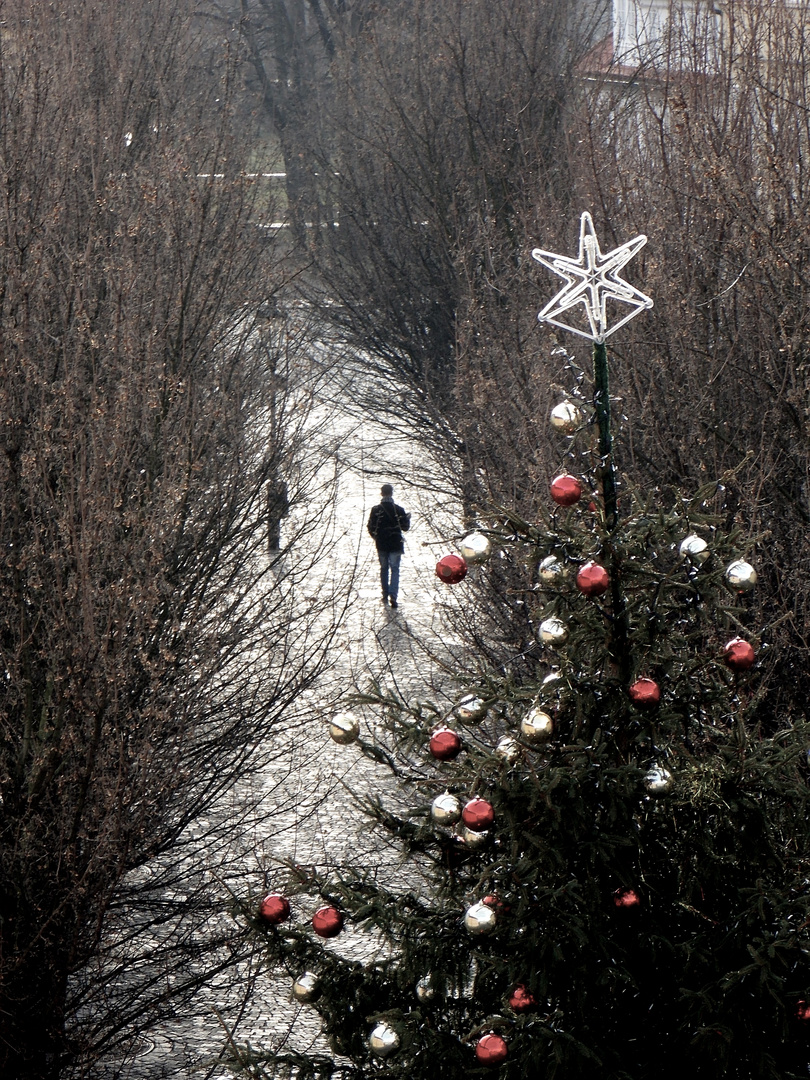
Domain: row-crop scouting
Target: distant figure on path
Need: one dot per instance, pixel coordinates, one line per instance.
(386, 524)
(278, 506)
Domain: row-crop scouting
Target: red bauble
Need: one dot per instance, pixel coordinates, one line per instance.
(521, 1000)
(626, 898)
(495, 902)
(566, 490)
(327, 922)
(645, 693)
(478, 814)
(491, 1050)
(451, 569)
(274, 909)
(445, 744)
(803, 1010)
(738, 654)
(592, 579)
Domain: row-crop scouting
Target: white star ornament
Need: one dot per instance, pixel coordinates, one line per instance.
(591, 280)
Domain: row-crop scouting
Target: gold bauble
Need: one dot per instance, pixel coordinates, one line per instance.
(471, 709)
(566, 418)
(553, 632)
(741, 576)
(480, 919)
(383, 1041)
(695, 549)
(475, 548)
(658, 781)
(344, 728)
(550, 569)
(445, 809)
(306, 987)
(537, 726)
(507, 749)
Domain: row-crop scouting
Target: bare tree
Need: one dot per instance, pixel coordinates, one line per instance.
(286, 48)
(146, 646)
(448, 120)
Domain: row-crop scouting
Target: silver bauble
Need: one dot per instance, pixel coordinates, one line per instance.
(344, 728)
(445, 809)
(550, 569)
(480, 919)
(306, 987)
(657, 781)
(741, 576)
(695, 549)
(475, 548)
(537, 726)
(473, 839)
(470, 709)
(553, 632)
(566, 418)
(425, 990)
(507, 749)
(383, 1041)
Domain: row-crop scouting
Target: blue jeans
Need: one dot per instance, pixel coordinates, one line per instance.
(389, 572)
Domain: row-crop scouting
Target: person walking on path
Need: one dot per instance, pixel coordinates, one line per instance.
(386, 524)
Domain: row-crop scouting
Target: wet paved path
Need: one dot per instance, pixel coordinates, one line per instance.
(307, 810)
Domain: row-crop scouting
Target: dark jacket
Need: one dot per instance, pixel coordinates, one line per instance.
(386, 524)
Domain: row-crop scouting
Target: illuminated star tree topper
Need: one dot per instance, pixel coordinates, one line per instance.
(591, 280)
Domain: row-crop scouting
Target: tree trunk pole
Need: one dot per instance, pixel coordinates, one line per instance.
(619, 645)
(601, 400)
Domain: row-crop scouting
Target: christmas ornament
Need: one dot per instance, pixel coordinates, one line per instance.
(550, 569)
(425, 990)
(472, 839)
(646, 693)
(566, 418)
(327, 922)
(738, 654)
(445, 744)
(741, 576)
(591, 280)
(592, 579)
(626, 898)
(445, 809)
(480, 919)
(803, 1010)
(344, 728)
(521, 1000)
(566, 490)
(274, 909)
(478, 814)
(471, 709)
(553, 632)
(451, 569)
(695, 549)
(383, 1041)
(536, 726)
(475, 548)
(507, 749)
(306, 987)
(658, 781)
(491, 1050)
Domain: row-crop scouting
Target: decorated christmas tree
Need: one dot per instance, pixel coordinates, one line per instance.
(611, 857)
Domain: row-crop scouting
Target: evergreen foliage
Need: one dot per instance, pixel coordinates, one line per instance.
(658, 934)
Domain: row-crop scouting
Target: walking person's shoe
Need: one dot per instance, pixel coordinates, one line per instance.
(393, 601)
(385, 597)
